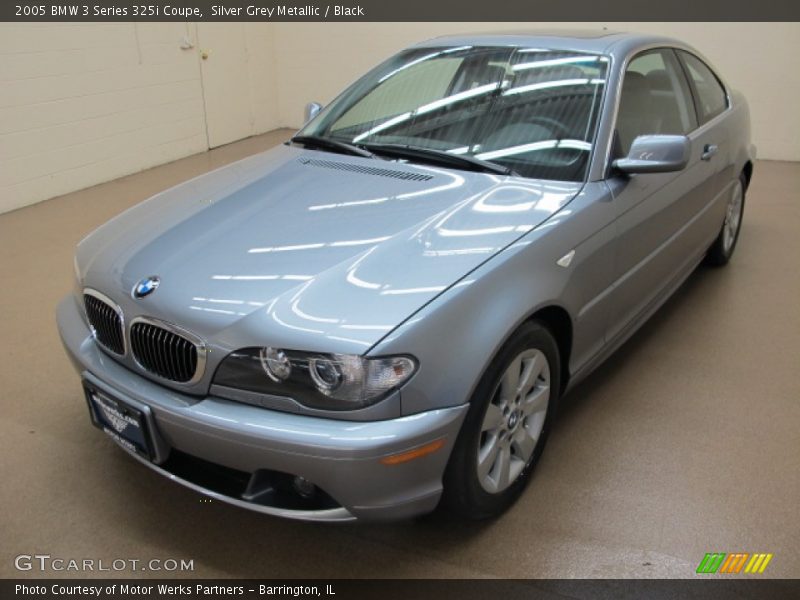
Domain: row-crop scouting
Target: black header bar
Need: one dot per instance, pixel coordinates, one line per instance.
(398, 10)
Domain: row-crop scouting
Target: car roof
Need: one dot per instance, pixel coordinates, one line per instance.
(599, 41)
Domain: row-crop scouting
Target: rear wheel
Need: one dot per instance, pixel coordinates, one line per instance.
(506, 426)
(722, 249)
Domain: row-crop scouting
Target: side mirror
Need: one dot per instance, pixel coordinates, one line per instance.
(312, 109)
(656, 154)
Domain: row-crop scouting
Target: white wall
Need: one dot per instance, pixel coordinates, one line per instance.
(239, 82)
(262, 75)
(86, 103)
(760, 59)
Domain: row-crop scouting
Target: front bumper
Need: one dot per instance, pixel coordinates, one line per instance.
(342, 458)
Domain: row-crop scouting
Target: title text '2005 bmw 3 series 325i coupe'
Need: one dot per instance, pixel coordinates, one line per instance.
(380, 315)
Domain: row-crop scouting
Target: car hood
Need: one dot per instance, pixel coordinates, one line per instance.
(310, 250)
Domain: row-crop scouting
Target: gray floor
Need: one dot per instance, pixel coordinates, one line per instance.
(687, 441)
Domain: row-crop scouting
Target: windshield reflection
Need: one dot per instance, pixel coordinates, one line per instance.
(531, 110)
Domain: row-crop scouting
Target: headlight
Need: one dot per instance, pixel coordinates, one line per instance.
(275, 363)
(316, 380)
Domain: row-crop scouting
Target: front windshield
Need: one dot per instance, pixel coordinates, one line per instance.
(531, 110)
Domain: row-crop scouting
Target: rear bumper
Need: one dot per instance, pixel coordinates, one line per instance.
(342, 458)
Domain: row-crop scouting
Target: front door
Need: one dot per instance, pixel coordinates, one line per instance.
(655, 212)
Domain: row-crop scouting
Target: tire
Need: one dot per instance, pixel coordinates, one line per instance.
(722, 249)
(475, 488)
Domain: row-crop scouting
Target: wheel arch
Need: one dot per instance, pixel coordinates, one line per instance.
(559, 323)
(747, 171)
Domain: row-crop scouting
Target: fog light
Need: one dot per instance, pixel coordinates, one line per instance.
(275, 364)
(303, 487)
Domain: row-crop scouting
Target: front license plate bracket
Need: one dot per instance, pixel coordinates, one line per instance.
(130, 426)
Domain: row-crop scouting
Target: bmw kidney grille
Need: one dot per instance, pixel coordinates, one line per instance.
(164, 352)
(157, 347)
(105, 319)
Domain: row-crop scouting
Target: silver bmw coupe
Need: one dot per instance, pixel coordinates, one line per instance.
(381, 315)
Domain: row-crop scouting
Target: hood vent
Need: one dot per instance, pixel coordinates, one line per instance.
(377, 171)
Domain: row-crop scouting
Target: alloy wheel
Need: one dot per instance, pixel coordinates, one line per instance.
(513, 421)
(733, 217)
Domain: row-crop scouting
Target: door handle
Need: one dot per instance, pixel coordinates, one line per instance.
(709, 150)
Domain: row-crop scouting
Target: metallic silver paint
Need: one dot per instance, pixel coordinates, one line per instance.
(257, 258)
(342, 457)
(656, 154)
(282, 251)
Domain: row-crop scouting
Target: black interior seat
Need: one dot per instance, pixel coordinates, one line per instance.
(665, 103)
(635, 111)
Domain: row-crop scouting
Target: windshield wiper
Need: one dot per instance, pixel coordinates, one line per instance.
(333, 145)
(441, 157)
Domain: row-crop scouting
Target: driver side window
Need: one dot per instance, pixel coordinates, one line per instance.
(655, 99)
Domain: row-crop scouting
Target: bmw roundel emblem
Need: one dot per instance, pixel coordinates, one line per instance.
(146, 286)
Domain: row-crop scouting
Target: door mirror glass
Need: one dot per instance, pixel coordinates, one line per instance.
(656, 154)
(312, 110)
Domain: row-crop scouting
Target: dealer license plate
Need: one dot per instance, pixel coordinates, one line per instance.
(124, 423)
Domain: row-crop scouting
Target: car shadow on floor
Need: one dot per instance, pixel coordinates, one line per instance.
(668, 315)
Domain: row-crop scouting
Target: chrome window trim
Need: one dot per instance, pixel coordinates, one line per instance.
(113, 305)
(618, 94)
(200, 346)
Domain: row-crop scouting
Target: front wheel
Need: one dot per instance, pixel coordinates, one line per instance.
(722, 249)
(506, 427)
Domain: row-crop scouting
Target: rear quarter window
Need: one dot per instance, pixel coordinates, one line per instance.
(709, 92)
